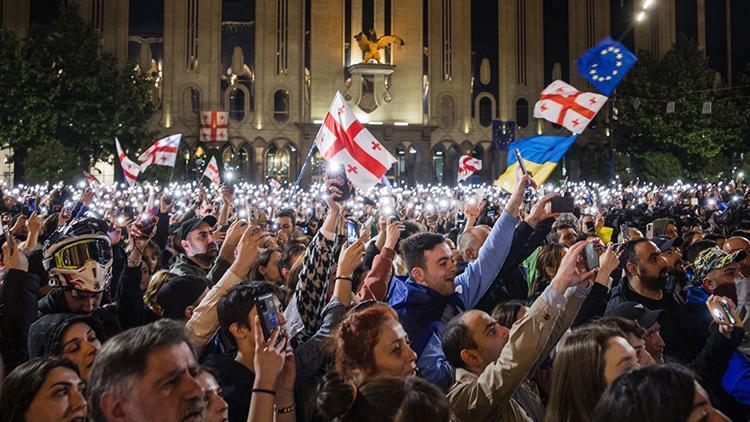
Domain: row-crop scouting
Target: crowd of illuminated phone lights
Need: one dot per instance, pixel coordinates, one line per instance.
(429, 199)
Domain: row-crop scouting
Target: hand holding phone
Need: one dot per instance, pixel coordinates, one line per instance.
(352, 234)
(268, 315)
(591, 256)
(722, 313)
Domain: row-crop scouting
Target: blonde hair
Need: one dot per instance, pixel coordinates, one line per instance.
(154, 284)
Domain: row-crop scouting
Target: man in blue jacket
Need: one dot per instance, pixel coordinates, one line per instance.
(432, 294)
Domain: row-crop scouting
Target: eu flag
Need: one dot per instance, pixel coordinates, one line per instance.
(605, 64)
(503, 133)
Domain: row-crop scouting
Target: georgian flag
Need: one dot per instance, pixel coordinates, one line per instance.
(467, 165)
(343, 140)
(212, 172)
(564, 105)
(162, 153)
(214, 126)
(130, 169)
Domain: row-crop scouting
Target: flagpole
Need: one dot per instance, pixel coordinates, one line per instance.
(301, 172)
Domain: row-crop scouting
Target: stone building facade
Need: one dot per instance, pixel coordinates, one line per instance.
(275, 66)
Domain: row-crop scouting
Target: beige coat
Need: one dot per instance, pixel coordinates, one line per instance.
(489, 396)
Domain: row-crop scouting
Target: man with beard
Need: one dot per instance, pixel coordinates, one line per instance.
(148, 373)
(671, 251)
(646, 272)
(200, 251)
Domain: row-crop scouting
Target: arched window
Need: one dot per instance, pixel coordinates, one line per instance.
(244, 162)
(227, 156)
(281, 106)
(485, 112)
(318, 166)
(237, 105)
(438, 164)
(522, 112)
(277, 163)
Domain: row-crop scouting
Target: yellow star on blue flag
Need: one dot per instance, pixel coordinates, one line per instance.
(605, 64)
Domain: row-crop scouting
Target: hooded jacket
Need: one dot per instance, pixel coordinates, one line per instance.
(54, 303)
(45, 335)
(185, 266)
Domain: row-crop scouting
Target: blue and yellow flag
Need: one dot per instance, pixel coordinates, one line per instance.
(540, 155)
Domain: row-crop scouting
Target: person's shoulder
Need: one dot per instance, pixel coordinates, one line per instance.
(226, 367)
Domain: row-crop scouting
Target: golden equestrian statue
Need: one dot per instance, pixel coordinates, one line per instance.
(371, 44)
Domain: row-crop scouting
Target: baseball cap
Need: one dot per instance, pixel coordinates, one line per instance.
(194, 223)
(713, 258)
(664, 243)
(637, 312)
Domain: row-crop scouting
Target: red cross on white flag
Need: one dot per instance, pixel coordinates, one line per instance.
(467, 165)
(130, 169)
(162, 153)
(212, 172)
(564, 105)
(214, 126)
(344, 140)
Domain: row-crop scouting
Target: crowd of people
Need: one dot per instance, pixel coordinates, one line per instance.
(575, 302)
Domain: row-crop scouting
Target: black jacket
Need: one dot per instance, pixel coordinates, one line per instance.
(54, 303)
(131, 311)
(681, 340)
(511, 282)
(710, 365)
(18, 310)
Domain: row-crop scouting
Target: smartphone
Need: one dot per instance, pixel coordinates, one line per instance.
(10, 240)
(694, 201)
(722, 314)
(146, 225)
(29, 206)
(268, 314)
(650, 231)
(521, 164)
(563, 204)
(351, 231)
(592, 257)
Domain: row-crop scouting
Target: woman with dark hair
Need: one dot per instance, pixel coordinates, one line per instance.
(547, 262)
(382, 399)
(587, 361)
(45, 389)
(76, 337)
(371, 342)
(507, 313)
(266, 268)
(665, 393)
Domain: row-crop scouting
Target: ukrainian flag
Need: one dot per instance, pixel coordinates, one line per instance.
(540, 155)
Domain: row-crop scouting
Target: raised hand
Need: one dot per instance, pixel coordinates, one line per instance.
(542, 210)
(569, 273)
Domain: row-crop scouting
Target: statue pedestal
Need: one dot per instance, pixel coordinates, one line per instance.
(370, 85)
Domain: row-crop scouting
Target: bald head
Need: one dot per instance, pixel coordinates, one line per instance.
(735, 243)
(471, 240)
